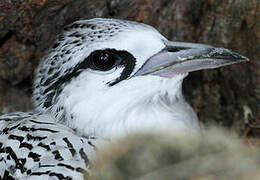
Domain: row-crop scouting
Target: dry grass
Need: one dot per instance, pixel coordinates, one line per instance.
(251, 133)
(216, 154)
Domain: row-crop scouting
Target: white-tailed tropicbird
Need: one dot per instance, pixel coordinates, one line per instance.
(102, 79)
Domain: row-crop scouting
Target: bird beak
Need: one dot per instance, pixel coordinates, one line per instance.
(180, 57)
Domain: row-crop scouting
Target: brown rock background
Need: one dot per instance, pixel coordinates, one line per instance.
(228, 96)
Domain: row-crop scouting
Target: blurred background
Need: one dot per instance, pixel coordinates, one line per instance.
(229, 96)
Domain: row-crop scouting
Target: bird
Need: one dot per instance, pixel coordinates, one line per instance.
(102, 80)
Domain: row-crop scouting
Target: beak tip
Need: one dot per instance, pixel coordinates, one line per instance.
(235, 56)
(246, 59)
(243, 58)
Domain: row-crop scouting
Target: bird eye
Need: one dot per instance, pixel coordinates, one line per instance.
(104, 60)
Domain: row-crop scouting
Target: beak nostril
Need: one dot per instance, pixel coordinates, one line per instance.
(175, 49)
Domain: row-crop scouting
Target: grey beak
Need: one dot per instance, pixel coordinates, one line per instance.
(180, 57)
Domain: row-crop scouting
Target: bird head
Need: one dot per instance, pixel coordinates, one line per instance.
(107, 77)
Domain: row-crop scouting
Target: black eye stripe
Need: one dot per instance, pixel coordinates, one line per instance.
(128, 63)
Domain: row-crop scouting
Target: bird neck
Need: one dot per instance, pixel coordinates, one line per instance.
(133, 106)
(160, 114)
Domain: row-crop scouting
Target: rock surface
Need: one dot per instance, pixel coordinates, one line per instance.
(228, 96)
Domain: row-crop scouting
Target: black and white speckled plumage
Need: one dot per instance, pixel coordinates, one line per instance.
(33, 148)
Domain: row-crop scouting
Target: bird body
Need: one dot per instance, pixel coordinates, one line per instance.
(33, 147)
(102, 79)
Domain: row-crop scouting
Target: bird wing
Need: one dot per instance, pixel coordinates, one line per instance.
(33, 147)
